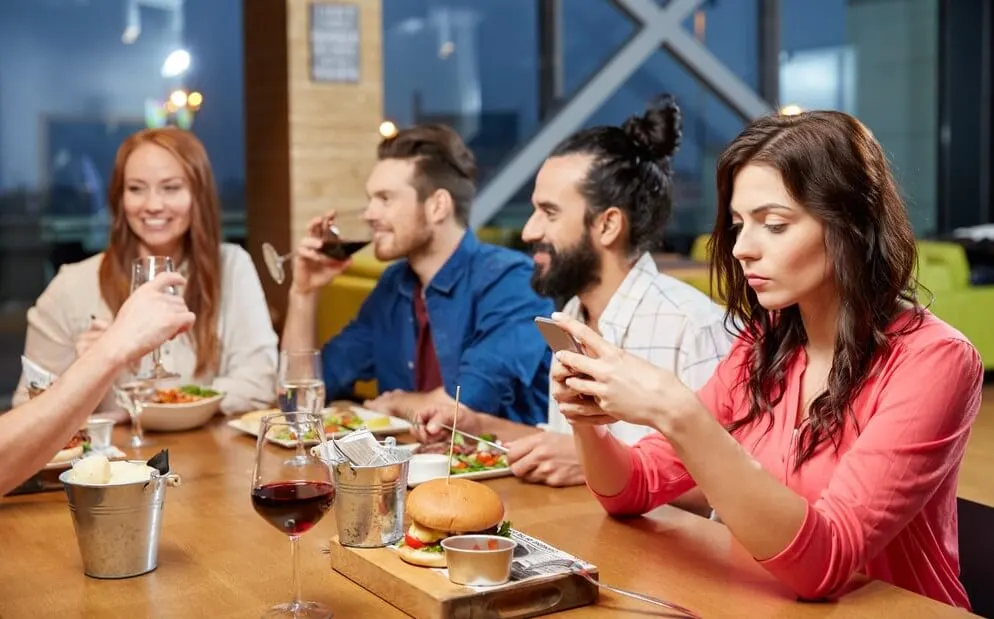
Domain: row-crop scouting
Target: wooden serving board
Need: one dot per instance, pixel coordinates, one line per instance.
(424, 593)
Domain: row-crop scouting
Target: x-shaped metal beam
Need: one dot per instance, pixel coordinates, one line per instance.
(660, 25)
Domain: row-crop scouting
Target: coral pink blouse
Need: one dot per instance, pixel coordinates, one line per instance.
(885, 504)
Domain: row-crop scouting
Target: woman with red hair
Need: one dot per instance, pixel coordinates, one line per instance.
(164, 202)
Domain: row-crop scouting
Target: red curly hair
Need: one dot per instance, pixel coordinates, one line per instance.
(202, 243)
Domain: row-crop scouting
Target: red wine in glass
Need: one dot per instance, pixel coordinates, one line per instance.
(340, 250)
(293, 507)
(292, 492)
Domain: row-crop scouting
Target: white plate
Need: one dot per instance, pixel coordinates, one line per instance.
(476, 475)
(111, 452)
(249, 424)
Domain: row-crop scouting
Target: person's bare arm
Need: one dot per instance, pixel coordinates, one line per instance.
(300, 327)
(693, 501)
(35, 431)
(312, 270)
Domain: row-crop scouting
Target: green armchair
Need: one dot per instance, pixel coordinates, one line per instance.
(943, 270)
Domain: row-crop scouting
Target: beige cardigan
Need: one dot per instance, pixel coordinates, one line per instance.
(247, 369)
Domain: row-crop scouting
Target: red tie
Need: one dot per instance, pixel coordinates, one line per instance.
(427, 374)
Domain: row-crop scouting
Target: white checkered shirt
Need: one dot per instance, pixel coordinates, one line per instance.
(661, 319)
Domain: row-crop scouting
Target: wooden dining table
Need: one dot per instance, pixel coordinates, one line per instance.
(218, 558)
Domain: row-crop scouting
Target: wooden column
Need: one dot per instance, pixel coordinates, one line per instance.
(309, 144)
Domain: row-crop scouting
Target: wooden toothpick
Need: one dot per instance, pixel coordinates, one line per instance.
(452, 439)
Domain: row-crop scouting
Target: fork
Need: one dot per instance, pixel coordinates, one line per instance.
(577, 568)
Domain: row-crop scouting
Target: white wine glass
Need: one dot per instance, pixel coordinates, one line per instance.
(144, 270)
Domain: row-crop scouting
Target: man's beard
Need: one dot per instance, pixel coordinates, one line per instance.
(413, 242)
(569, 272)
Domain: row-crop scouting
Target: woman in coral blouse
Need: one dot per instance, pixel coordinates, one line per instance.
(830, 438)
(164, 202)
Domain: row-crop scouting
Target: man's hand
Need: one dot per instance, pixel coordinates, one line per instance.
(546, 458)
(427, 422)
(150, 317)
(312, 269)
(407, 404)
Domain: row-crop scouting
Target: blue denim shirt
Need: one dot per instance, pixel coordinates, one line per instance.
(481, 307)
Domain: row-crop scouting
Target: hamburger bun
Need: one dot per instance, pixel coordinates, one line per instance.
(440, 509)
(458, 506)
(422, 558)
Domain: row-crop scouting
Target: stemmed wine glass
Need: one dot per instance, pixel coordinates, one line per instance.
(335, 244)
(150, 370)
(300, 382)
(144, 270)
(132, 396)
(292, 494)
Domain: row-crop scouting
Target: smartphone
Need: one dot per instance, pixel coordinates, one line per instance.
(557, 337)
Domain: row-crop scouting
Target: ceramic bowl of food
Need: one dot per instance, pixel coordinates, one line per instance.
(180, 408)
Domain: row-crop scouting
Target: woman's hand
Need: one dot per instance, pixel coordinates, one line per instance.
(621, 385)
(575, 407)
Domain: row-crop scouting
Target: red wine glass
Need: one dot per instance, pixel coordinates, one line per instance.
(341, 236)
(292, 491)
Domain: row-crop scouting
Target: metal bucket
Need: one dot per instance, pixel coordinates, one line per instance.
(117, 526)
(369, 503)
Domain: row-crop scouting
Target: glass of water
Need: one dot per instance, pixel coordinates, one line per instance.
(300, 386)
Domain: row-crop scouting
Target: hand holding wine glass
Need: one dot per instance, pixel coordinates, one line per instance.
(292, 493)
(144, 270)
(323, 254)
(141, 387)
(152, 315)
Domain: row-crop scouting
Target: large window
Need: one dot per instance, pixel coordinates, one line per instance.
(877, 60)
(472, 64)
(75, 79)
(490, 65)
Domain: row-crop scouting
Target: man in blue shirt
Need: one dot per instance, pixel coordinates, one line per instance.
(452, 311)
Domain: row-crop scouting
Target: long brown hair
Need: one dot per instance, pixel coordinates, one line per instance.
(202, 244)
(833, 166)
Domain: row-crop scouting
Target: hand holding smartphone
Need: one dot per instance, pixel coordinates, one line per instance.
(558, 339)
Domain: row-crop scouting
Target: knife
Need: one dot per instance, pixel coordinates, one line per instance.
(496, 446)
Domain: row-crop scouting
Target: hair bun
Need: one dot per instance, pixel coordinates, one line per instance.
(658, 130)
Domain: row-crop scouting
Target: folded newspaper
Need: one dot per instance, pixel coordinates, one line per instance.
(36, 377)
(361, 448)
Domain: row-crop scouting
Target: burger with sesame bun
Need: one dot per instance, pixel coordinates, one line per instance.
(442, 508)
